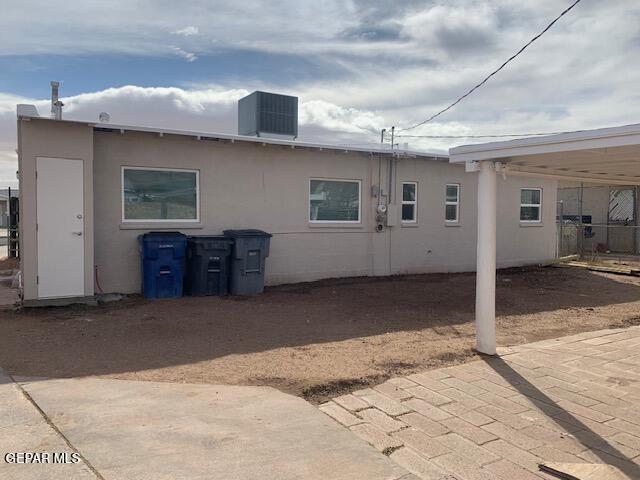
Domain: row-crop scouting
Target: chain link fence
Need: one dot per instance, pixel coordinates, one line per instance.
(588, 240)
(598, 221)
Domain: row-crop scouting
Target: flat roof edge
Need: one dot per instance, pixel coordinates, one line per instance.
(577, 137)
(242, 138)
(268, 141)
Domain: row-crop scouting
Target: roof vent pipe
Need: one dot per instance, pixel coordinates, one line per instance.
(56, 105)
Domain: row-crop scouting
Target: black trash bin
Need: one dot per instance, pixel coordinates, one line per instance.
(250, 250)
(208, 259)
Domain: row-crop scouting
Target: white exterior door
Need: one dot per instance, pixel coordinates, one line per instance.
(60, 212)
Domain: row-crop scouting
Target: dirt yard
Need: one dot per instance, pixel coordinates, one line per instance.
(315, 340)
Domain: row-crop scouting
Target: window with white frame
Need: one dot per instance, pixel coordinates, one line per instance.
(452, 203)
(334, 201)
(531, 205)
(409, 202)
(160, 195)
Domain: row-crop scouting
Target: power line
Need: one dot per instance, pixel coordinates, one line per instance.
(502, 135)
(486, 79)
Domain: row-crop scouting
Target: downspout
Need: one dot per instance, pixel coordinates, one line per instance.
(636, 207)
(390, 188)
(389, 179)
(391, 196)
(382, 132)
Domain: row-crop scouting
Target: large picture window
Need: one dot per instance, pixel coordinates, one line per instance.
(159, 195)
(409, 202)
(332, 201)
(531, 205)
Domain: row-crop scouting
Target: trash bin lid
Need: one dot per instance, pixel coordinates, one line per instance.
(164, 234)
(246, 233)
(210, 242)
(153, 237)
(197, 238)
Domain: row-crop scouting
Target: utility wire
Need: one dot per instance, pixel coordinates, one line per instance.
(486, 79)
(503, 135)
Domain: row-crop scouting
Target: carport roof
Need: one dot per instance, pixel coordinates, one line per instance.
(606, 155)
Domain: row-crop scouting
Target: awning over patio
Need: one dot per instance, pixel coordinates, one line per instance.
(608, 155)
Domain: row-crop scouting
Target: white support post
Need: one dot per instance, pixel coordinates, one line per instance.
(486, 260)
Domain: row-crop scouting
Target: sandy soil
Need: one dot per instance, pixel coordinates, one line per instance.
(7, 263)
(315, 340)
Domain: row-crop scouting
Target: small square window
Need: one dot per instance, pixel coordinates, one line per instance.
(408, 213)
(530, 196)
(408, 192)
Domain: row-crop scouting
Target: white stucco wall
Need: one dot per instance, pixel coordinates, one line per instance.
(266, 187)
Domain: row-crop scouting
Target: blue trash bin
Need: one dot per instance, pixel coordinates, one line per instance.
(162, 259)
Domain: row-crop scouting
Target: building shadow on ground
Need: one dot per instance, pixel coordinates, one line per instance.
(597, 445)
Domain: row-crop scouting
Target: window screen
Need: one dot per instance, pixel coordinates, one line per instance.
(334, 201)
(154, 195)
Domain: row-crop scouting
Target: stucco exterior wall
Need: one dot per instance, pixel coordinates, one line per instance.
(48, 139)
(432, 245)
(266, 187)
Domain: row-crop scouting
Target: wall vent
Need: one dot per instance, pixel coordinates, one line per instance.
(264, 114)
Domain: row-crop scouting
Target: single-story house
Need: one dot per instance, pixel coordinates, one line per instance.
(88, 189)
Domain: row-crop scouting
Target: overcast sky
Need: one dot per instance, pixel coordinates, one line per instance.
(356, 65)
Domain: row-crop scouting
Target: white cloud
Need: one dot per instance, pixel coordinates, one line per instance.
(582, 74)
(8, 168)
(8, 102)
(142, 27)
(187, 31)
(336, 118)
(188, 56)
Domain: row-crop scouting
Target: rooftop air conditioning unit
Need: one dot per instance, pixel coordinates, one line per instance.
(264, 114)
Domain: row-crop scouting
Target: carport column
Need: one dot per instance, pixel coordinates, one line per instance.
(486, 260)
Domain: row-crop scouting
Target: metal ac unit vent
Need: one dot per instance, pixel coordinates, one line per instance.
(266, 114)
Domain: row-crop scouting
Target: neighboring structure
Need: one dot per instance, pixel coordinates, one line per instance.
(9, 216)
(333, 211)
(599, 218)
(5, 193)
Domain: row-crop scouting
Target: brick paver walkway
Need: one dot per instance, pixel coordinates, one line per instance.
(573, 399)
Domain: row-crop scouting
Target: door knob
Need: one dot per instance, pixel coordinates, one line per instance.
(77, 234)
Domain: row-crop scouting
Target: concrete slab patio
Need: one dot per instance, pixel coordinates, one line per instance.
(24, 429)
(573, 400)
(569, 400)
(148, 430)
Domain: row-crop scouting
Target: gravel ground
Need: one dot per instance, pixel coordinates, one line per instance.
(316, 339)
